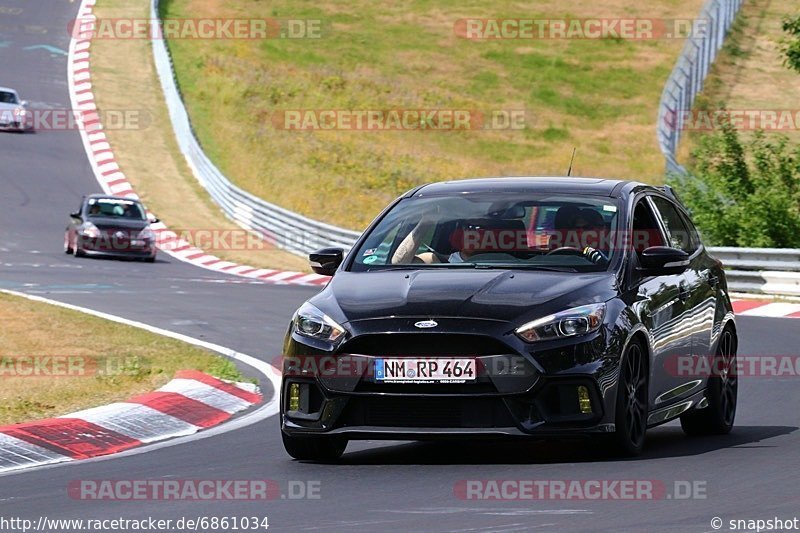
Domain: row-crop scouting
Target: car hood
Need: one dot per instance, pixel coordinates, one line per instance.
(487, 294)
(4, 106)
(118, 223)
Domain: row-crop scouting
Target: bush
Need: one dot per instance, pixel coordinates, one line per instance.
(791, 48)
(744, 194)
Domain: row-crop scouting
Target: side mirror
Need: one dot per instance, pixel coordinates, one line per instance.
(325, 262)
(23, 103)
(152, 220)
(75, 215)
(664, 261)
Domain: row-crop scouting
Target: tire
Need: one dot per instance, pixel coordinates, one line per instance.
(77, 249)
(721, 392)
(150, 259)
(322, 448)
(632, 402)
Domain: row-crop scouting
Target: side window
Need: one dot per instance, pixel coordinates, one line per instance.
(646, 232)
(694, 235)
(677, 232)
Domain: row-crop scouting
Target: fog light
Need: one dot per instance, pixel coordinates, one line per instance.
(583, 400)
(294, 396)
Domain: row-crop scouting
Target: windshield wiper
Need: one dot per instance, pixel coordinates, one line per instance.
(420, 266)
(527, 267)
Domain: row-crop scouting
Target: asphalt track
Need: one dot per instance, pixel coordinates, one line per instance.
(749, 474)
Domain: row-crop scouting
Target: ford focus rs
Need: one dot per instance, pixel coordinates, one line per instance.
(513, 307)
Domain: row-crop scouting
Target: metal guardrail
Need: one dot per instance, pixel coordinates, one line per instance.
(689, 74)
(773, 271)
(288, 230)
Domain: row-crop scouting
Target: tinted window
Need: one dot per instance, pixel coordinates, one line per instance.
(693, 233)
(114, 208)
(646, 231)
(677, 232)
(8, 98)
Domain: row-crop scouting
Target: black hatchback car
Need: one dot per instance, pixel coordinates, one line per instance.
(113, 226)
(502, 307)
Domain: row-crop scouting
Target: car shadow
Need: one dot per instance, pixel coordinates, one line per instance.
(661, 443)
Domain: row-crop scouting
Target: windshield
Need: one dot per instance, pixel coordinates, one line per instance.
(114, 208)
(8, 98)
(523, 231)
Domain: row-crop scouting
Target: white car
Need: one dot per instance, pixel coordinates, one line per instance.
(14, 113)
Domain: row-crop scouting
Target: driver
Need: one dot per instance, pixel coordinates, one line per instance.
(574, 226)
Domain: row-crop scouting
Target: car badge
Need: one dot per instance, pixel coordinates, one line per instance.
(425, 324)
(120, 235)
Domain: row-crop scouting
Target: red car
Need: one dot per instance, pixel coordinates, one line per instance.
(111, 226)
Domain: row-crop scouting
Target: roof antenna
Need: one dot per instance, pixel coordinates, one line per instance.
(569, 171)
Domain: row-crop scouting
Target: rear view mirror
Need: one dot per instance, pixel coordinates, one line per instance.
(663, 261)
(325, 262)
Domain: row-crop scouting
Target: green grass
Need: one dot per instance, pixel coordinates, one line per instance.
(138, 361)
(598, 95)
(749, 73)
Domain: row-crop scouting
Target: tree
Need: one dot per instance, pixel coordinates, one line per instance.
(744, 194)
(791, 47)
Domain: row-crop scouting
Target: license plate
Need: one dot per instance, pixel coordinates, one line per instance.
(439, 370)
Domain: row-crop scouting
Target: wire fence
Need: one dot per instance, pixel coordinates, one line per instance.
(689, 74)
(287, 230)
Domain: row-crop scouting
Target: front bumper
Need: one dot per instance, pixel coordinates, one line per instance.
(529, 390)
(16, 125)
(105, 246)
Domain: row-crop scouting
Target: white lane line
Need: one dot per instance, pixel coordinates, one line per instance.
(775, 309)
(268, 409)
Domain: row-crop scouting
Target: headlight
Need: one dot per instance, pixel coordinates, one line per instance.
(311, 322)
(20, 111)
(146, 234)
(88, 229)
(575, 321)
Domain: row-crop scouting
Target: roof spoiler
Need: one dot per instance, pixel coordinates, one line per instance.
(669, 191)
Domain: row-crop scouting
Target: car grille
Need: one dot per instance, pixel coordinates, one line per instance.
(424, 344)
(427, 412)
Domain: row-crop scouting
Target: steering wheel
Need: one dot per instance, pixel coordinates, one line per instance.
(441, 257)
(565, 250)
